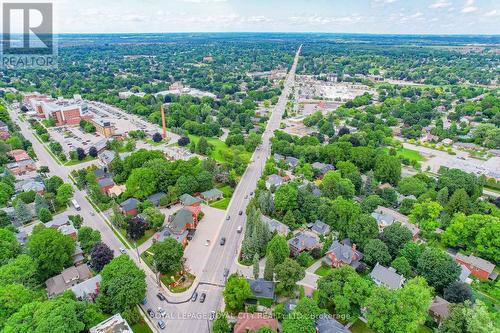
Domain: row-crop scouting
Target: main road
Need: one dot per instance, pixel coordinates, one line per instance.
(182, 314)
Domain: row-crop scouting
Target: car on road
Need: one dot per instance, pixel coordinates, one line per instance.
(161, 324)
(202, 297)
(239, 229)
(160, 296)
(223, 241)
(151, 313)
(122, 250)
(194, 297)
(228, 217)
(240, 212)
(251, 193)
(212, 315)
(226, 272)
(207, 242)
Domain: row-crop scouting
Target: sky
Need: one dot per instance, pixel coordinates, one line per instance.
(341, 16)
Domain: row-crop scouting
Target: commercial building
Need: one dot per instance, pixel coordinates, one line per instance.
(103, 127)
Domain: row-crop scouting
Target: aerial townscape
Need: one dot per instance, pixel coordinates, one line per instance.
(333, 175)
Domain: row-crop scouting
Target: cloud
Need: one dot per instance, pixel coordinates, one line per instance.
(493, 13)
(469, 7)
(440, 4)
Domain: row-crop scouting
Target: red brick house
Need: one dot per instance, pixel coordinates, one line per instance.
(480, 268)
(344, 253)
(249, 322)
(18, 155)
(129, 207)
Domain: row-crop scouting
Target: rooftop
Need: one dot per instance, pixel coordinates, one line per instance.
(262, 288)
(480, 263)
(114, 324)
(387, 277)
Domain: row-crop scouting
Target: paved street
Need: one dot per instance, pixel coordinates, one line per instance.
(183, 315)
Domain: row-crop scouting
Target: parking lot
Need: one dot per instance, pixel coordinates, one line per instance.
(72, 138)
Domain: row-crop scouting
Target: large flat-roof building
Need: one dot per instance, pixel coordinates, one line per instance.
(103, 126)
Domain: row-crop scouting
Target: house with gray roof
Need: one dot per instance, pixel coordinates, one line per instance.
(275, 225)
(291, 161)
(114, 324)
(106, 157)
(57, 222)
(321, 228)
(342, 253)
(479, 267)
(274, 180)
(68, 278)
(262, 288)
(155, 198)
(303, 241)
(322, 168)
(188, 200)
(88, 289)
(212, 195)
(387, 277)
(129, 206)
(327, 324)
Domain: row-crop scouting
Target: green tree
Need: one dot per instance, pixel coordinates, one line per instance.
(12, 298)
(362, 229)
(44, 215)
(438, 268)
(52, 250)
(388, 169)
(154, 217)
(412, 251)
(425, 214)
(22, 212)
(53, 183)
(6, 192)
(465, 318)
(123, 285)
(64, 194)
(203, 147)
(9, 246)
(88, 237)
(303, 317)
(141, 183)
(402, 266)
(288, 273)
(459, 202)
(236, 291)
(376, 251)
(333, 185)
(21, 270)
(269, 268)
(256, 267)
(40, 203)
(221, 325)
(442, 196)
(412, 186)
(343, 290)
(395, 237)
(285, 198)
(455, 179)
(168, 255)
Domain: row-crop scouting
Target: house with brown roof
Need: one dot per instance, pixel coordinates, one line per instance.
(480, 268)
(340, 254)
(68, 278)
(19, 155)
(303, 240)
(439, 308)
(249, 322)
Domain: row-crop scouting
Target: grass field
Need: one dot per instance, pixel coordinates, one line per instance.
(219, 147)
(323, 271)
(412, 155)
(147, 234)
(223, 203)
(75, 162)
(142, 327)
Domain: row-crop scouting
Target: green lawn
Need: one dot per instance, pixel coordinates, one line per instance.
(219, 147)
(409, 154)
(323, 270)
(148, 234)
(223, 203)
(142, 327)
(75, 162)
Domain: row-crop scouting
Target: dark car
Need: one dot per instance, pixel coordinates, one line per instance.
(228, 217)
(160, 297)
(251, 193)
(194, 297)
(223, 241)
(151, 313)
(161, 324)
(240, 212)
(226, 272)
(202, 297)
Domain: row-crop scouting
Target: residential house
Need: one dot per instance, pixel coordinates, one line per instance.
(386, 217)
(68, 278)
(18, 155)
(303, 241)
(105, 184)
(4, 131)
(129, 206)
(31, 184)
(116, 190)
(320, 228)
(78, 257)
(114, 324)
(439, 308)
(58, 221)
(21, 167)
(106, 157)
(480, 268)
(464, 274)
(189, 200)
(262, 288)
(100, 173)
(274, 180)
(291, 161)
(278, 157)
(155, 198)
(344, 253)
(387, 277)
(327, 324)
(322, 168)
(68, 230)
(249, 322)
(212, 195)
(182, 225)
(447, 142)
(22, 237)
(275, 225)
(87, 290)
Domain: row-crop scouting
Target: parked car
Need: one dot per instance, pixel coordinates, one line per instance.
(202, 297)
(122, 250)
(160, 297)
(226, 272)
(240, 212)
(161, 324)
(223, 241)
(162, 312)
(194, 297)
(228, 217)
(239, 229)
(151, 313)
(212, 315)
